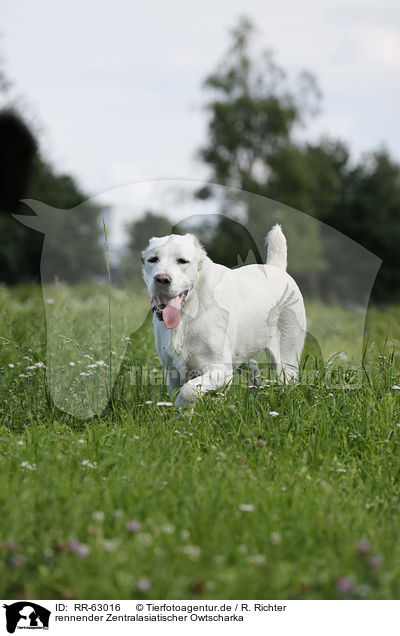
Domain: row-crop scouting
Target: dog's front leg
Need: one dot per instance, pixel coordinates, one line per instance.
(217, 377)
(172, 378)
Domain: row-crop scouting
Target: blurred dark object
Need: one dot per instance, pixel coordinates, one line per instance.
(225, 240)
(139, 233)
(24, 174)
(17, 150)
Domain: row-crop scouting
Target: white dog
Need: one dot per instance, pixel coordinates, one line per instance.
(209, 320)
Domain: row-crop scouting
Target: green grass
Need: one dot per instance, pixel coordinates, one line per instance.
(232, 503)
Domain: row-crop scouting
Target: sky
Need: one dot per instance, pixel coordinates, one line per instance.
(114, 89)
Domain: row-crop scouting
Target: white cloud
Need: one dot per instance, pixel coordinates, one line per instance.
(378, 45)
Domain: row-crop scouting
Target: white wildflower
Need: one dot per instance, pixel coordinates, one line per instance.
(168, 528)
(109, 545)
(143, 585)
(192, 552)
(28, 466)
(145, 539)
(276, 538)
(256, 559)
(246, 507)
(89, 464)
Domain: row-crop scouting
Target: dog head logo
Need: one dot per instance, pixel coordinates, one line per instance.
(26, 615)
(89, 325)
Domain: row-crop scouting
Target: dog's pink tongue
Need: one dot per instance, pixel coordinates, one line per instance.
(172, 312)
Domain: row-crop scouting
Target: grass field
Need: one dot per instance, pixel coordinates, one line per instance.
(290, 492)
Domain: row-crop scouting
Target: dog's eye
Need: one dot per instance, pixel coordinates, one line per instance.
(153, 259)
(182, 261)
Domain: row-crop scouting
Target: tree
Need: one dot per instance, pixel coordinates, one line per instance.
(254, 115)
(369, 212)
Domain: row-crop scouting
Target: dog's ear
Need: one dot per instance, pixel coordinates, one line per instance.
(143, 252)
(202, 256)
(201, 252)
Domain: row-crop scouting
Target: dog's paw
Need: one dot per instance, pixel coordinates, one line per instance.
(187, 396)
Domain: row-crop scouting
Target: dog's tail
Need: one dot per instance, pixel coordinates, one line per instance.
(277, 248)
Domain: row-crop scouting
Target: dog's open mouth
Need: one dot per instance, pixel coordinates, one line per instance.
(169, 309)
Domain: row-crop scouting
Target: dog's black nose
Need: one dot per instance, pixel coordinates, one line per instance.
(163, 279)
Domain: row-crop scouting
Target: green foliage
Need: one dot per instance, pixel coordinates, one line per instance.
(310, 177)
(254, 117)
(369, 213)
(253, 113)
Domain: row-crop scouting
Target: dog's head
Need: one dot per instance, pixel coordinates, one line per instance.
(171, 266)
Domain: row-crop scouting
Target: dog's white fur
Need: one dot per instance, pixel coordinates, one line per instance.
(228, 315)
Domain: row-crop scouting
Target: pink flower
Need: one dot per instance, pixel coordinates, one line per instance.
(375, 561)
(73, 545)
(345, 585)
(143, 585)
(81, 549)
(133, 526)
(363, 546)
(16, 561)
